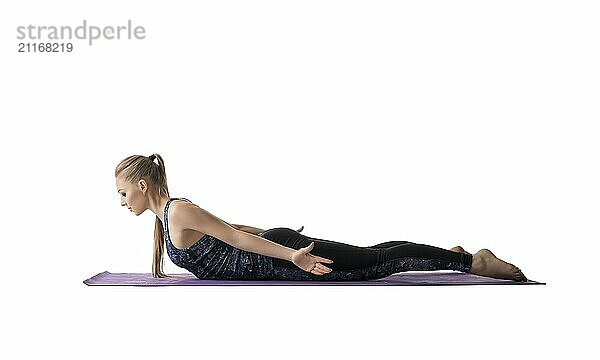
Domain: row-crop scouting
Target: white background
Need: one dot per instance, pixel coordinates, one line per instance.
(448, 123)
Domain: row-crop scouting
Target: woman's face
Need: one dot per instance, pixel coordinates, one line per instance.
(132, 195)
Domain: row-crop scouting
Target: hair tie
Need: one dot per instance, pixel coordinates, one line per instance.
(152, 157)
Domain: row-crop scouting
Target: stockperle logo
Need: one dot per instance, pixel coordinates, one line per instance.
(91, 33)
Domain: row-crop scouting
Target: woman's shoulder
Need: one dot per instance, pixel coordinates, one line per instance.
(183, 213)
(183, 218)
(179, 207)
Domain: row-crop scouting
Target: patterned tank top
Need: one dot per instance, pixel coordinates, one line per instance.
(211, 258)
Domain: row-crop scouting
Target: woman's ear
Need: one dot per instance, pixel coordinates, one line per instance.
(143, 186)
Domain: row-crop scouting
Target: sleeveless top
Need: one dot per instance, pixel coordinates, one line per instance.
(211, 258)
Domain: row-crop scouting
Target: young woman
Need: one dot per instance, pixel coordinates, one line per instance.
(211, 248)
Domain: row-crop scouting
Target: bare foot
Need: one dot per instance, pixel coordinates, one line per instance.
(485, 263)
(459, 249)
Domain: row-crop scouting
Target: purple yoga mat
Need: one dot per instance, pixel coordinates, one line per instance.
(405, 278)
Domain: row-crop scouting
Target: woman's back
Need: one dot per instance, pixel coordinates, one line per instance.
(211, 258)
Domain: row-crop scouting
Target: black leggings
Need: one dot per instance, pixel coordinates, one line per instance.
(352, 262)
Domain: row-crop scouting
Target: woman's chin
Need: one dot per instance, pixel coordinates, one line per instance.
(136, 213)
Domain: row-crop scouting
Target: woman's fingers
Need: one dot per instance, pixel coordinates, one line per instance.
(322, 259)
(322, 267)
(318, 271)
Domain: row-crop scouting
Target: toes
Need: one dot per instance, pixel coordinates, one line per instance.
(522, 277)
(520, 274)
(516, 273)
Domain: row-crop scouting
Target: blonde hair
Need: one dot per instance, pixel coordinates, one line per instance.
(135, 167)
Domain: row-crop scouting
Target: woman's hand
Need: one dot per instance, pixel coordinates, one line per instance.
(310, 263)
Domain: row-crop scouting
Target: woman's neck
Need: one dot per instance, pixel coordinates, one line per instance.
(157, 206)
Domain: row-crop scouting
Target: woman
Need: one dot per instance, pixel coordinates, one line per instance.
(211, 248)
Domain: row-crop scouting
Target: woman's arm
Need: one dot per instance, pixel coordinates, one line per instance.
(259, 245)
(190, 216)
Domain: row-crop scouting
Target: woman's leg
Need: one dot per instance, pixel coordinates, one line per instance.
(361, 263)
